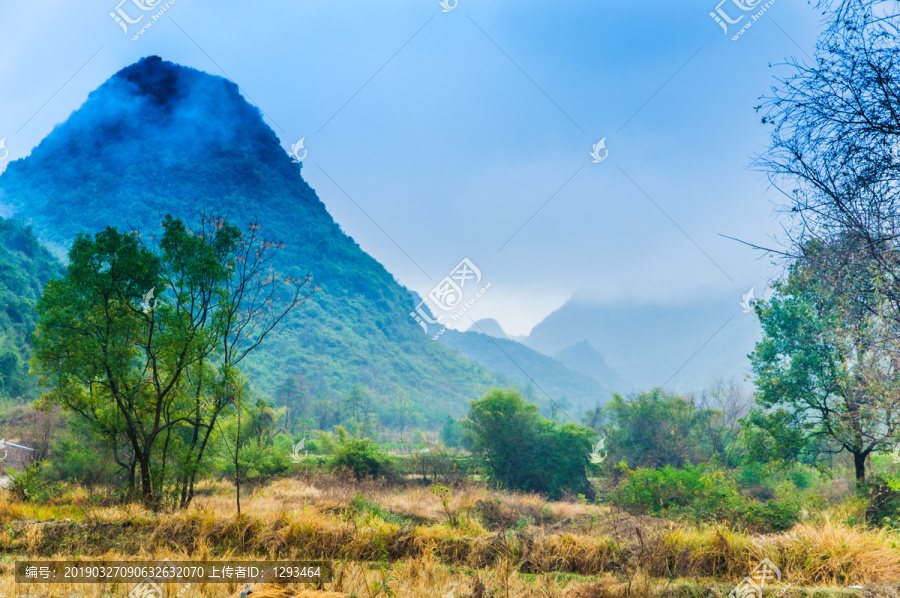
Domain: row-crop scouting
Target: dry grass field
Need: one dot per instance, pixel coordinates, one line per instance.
(387, 541)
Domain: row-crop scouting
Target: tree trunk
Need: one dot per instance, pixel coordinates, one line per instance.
(859, 462)
(132, 469)
(146, 483)
(237, 462)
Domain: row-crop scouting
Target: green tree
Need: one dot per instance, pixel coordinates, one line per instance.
(151, 373)
(451, 433)
(293, 394)
(525, 451)
(359, 456)
(654, 429)
(406, 414)
(827, 376)
(323, 412)
(244, 439)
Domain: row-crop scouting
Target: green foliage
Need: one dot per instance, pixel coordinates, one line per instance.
(452, 432)
(359, 505)
(78, 455)
(25, 268)
(437, 464)
(259, 451)
(653, 429)
(360, 457)
(884, 502)
(29, 485)
(524, 451)
(825, 380)
(699, 494)
(155, 376)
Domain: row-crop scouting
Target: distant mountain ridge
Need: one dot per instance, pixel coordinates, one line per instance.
(682, 347)
(554, 381)
(582, 357)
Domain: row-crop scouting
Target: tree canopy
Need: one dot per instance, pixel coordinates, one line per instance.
(523, 450)
(144, 339)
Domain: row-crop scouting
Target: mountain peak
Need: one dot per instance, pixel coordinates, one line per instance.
(490, 327)
(155, 120)
(163, 83)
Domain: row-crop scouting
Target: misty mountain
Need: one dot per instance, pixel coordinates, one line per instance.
(547, 376)
(582, 357)
(160, 138)
(683, 347)
(489, 326)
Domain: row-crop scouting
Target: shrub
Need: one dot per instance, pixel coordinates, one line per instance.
(440, 466)
(361, 458)
(360, 506)
(652, 491)
(884, 502)
(698, 494)
(28, 485)
(772, 516)
(524, 451)
(452, 433)
(76, 456)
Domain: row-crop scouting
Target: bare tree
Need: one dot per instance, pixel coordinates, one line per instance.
(835, 151)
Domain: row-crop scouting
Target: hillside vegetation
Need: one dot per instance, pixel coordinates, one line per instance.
(25, 269)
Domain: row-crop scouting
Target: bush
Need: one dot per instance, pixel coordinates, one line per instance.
(884, 502)
(440, 466)
(452, 433)
(28, 485)
(524, 451)
(78, 456)
(361, 458)
(701, 495)
(772, 516)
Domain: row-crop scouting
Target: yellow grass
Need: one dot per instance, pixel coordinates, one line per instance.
(572, 550)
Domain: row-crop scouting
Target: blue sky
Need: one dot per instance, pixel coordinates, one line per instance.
(436, 136)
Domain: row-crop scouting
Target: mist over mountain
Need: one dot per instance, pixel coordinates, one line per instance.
(683, 347)
(582, 357)
(160, 138)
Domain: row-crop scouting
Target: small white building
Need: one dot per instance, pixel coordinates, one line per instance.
(13, 458)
